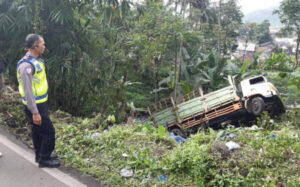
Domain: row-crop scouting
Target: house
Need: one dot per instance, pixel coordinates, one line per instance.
(245, 50)
(246, 46)
(266, 50)
(287, 44)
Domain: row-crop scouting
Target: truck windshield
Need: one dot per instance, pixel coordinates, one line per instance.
(257, 80)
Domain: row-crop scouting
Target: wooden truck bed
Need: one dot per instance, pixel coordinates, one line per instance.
(187, 110)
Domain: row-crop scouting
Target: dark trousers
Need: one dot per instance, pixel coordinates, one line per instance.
(43, 136)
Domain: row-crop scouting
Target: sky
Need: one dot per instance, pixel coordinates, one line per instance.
(253, 5)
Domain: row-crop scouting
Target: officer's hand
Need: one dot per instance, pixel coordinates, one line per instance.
(37, 120)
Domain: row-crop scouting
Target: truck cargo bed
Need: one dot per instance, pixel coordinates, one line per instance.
(191, 105)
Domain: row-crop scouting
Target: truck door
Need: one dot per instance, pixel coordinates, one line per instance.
(258, 85)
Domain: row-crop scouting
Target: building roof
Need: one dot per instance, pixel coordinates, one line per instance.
(244, 56)
(266, 44)
(249, 47)
(290, 41)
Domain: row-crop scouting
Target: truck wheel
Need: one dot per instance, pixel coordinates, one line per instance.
(178, 132)
(257, 105)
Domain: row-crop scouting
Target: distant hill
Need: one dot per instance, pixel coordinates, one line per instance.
(261, 15)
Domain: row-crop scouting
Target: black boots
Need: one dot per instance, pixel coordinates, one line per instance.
(52, 157)
(48, 163)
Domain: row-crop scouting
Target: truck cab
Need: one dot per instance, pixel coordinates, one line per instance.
(260, 95)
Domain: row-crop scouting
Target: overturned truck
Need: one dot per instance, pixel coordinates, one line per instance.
(231, 104)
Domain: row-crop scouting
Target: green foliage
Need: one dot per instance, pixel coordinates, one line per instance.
(267, 155)
(161, 131)
(288, 85)
(208, 71)
(207, 163)
(258, 32)
(102, 55)
(279, 62)
(141, 149)
(94, 48)
(266, 122)
(255, 63)
(289, 16)
(293, 95)
(263, 32)
(191, 159)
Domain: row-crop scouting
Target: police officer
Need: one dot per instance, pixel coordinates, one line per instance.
(33, 88)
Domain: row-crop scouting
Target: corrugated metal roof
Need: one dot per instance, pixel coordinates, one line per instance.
(249, 47)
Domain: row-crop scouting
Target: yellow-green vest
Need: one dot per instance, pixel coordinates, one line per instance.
(39, 80)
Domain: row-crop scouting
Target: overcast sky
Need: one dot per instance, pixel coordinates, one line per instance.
(253, 5)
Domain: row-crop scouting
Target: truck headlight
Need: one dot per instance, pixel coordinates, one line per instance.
(273, 88)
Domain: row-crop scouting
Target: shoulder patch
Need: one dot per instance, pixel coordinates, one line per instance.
(28, 71)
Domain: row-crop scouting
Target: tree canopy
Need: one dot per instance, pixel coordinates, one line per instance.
(103, 55)
(289, 15)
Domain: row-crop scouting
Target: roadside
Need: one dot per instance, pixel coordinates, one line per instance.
(18, 167)
(142, 155)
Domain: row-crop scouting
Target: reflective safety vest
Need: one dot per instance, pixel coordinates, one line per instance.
(39, 80)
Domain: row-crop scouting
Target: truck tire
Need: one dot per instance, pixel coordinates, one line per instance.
(178, 132)
(257, 105)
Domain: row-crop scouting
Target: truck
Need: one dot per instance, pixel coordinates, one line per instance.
(232, 104)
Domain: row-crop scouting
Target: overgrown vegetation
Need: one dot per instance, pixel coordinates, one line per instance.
(268, 155)
(288, 84)
(102, 55)
(107, 58)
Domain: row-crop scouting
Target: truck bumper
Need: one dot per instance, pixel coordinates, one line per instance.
(275, 105)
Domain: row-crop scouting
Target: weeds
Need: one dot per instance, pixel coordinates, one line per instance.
(269, 156)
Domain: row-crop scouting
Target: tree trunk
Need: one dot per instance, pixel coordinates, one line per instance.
(123, 102)
(245, 49)
(156, 61)
(80, 99)
(219, 29)
(297, 51)
(38, 23)
(103, 107)
(180, 59)
(175, 71)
